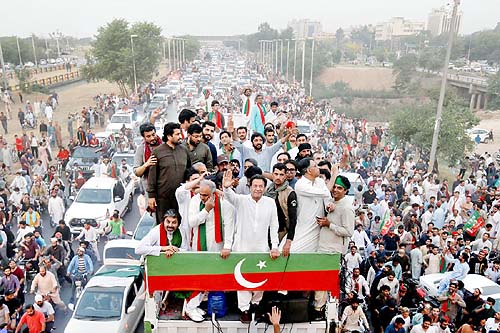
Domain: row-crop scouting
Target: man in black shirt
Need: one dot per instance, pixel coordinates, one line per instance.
(15, 306)
(64, 230)
(369, 196)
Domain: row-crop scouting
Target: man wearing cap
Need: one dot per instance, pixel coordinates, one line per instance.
(80, 265)
(166, 237)
(47, 310)
(304, 151)
(198, 150)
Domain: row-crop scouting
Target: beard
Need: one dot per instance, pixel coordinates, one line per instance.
(257, 146)
(192, 143)
(207, 137)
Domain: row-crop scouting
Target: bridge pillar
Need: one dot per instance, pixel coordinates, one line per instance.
(472, 105)
(485, 102)
(478, 101)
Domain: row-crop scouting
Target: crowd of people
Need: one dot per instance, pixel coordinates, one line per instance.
(237, 174)
(34, 192)
(265, 186)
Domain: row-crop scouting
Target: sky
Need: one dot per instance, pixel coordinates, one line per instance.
(224, 17)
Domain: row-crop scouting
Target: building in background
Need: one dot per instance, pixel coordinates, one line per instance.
(397, 27)
(305, 28)
(439, 21)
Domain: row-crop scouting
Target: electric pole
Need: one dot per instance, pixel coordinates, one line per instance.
(442, 92)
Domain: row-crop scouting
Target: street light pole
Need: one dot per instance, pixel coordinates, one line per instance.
(442, 92)
(184, 51)
(276, 56)
(174, 54)
(312, 65)
(281, 56)
(19, 52)
(287, 57)
(303, 61)
(295, 60)
(133, 61)
(34, 50)
(169, 58)
(4, 76)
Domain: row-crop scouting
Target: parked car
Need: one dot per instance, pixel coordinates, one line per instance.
(483, 134)
(112, 301)
(96, 201)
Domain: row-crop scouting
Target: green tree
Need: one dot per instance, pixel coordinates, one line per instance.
(191, 47)
(415, 125)
(404, 69)
(432, 59)
(111, 54)
(494, 91)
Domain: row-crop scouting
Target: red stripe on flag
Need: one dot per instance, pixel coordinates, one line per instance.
(316, 280)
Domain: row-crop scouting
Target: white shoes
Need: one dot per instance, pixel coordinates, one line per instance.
(195, 315)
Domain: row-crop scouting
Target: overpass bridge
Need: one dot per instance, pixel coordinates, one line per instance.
(476, 87)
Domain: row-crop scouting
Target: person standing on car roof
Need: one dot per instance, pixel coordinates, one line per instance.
(143, 159)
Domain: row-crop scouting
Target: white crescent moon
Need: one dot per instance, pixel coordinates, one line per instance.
(242, 281)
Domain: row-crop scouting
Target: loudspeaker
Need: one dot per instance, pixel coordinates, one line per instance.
(294, 310)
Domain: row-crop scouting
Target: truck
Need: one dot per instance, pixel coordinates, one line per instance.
(202, 271)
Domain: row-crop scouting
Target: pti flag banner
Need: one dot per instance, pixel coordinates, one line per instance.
(474, 223)
(387, 220)
(243, 271)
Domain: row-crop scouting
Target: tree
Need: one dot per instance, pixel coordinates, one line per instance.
(415, 125)
(494, 91)
(111, 54)
(363, 36)
(191, 47)
(339, 37)
(432, 59)
(404, 68)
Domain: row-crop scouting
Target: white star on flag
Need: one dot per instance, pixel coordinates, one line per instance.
(261, 264)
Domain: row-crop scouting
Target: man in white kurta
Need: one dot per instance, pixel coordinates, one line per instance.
(56, 207)
(183, 194)
(206, 215)
(312, 197)
(256, 219)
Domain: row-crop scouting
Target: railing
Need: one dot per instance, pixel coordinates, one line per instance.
(49, 81)
(11, 75)
(468, 79)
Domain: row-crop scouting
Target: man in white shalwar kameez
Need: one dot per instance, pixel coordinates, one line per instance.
(312, 197)
(56, 207)
(256, 218)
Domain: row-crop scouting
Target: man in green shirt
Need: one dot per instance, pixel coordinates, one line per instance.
(116, 224)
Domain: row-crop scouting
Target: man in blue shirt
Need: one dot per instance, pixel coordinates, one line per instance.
(396, 327)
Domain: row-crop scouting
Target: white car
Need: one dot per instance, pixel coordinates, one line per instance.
(145, 224)
(430, 284)
(112, 301)
(121, 252)
(304, 127)
(120, 119)
(96, 201)
(483, 134)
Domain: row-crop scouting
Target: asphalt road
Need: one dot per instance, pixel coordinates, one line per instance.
(131, 218)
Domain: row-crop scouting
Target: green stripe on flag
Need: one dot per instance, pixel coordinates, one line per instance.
(189, 263)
